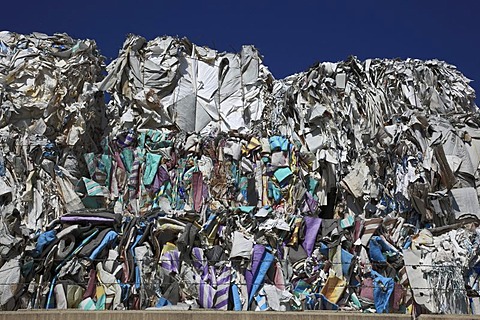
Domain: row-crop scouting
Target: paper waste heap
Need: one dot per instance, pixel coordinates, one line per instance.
(206, 183)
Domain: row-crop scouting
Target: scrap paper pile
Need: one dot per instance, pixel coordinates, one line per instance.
(206, 183)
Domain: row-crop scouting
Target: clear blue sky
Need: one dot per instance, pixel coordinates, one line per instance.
(291, 35)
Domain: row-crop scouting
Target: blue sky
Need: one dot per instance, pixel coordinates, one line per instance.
(291, 35)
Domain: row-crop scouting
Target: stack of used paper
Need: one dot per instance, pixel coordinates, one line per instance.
(50, 113)
(205, 183)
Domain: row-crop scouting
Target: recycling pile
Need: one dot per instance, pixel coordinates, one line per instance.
(206, 183)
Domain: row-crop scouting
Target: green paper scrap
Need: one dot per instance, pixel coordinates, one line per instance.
(151, 166)
(282, 174)
(246, 209)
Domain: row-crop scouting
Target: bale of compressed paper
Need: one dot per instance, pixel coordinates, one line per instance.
(50, 113)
